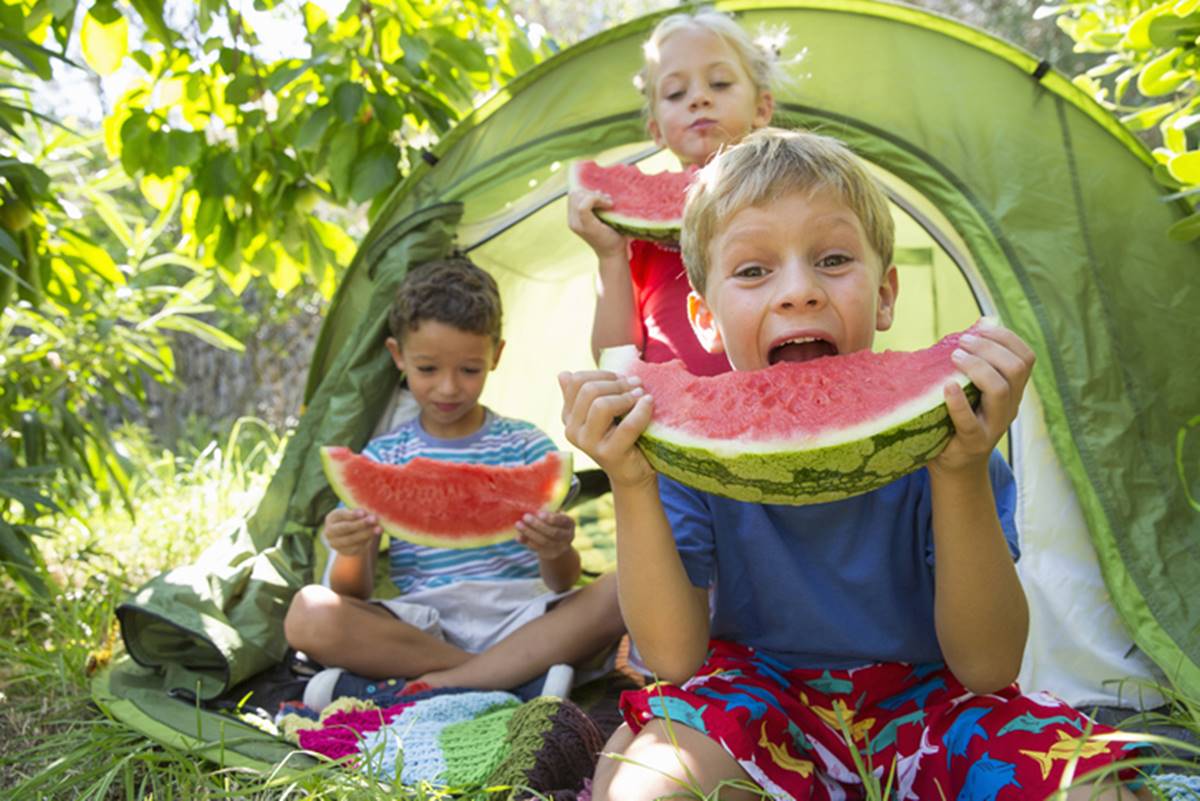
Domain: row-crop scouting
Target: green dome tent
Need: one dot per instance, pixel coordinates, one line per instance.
(1014, 195)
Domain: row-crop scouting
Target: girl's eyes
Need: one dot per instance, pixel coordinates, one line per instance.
(721, 84)
(676, 95)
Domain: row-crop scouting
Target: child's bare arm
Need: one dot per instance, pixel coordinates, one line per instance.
(980, 610)
(616, 320)
(549, 535)
(353, 538)
(665, 613)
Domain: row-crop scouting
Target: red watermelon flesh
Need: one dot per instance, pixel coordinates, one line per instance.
(797, 432)
(828, 396)
(645, 206)
(447, 504)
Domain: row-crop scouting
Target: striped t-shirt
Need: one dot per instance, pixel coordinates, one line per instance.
(501, 441)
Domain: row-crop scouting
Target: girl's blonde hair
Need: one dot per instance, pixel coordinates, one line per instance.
(759, 57)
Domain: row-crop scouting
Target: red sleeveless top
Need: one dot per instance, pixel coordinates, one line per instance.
(660, 289)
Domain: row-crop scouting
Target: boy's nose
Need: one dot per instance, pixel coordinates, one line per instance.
(798, 288)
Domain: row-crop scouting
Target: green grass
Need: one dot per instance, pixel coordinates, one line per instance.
(56, 744)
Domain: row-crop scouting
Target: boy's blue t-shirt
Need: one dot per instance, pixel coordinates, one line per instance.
(831, 585)
(500, 441)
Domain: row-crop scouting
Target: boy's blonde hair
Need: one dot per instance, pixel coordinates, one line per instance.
(759, 58)
(768, 164)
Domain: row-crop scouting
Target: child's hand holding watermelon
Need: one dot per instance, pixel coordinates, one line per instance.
(603, 415)
(351, 532)
(547, 534)
(998, 363)
(603, 239)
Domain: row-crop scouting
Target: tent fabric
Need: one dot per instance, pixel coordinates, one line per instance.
(1008, 172)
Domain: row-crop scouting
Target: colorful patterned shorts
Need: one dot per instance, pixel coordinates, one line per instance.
(789, 729)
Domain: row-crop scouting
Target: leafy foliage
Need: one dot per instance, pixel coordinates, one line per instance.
(1150, 77)
(90, 328)
(225, 162)
(253, 140)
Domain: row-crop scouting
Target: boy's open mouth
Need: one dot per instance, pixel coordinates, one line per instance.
(801, 349)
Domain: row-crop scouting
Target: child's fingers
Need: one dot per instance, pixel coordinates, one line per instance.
(1010, 340)
(583, 407)
(585, 200)
(1010, 357)
(570, 384)
(632, 425)
(543, 530)
(354, 532)
(581, 206)
(966, 422)
(604, 410)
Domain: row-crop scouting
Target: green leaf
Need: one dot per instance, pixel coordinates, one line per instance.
(183, 148)
(347, 99)
(202, 331)
(415, 52)
(107, 210)
(135, 134)
(94, 257)
(335, 240)
(286, 274)
(313, 129)
(1169, 30)
(1185, 167)
(151, 12)
(212, 208)
(284, 74)
(343, 151)
(34, 58)
(1137, 36)
(388, 110)
(314, 17)
(1187, 229)
(18, 555)
(104, 39)
(241, 89)
(9, 246)
(1159, 77)
(1147, 118)
(374, 171)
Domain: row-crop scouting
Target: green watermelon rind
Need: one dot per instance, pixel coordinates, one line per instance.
(393, 528)
(800, 473)
(818, 475)
(666, 233)
(662, 232)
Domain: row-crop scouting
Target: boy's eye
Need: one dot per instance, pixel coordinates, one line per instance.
(834, 260)
(750, 271)
(471, 370)
(426, 368)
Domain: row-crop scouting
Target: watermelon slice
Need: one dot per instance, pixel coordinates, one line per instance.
(447, 504)
(797, 432)
(644, 206)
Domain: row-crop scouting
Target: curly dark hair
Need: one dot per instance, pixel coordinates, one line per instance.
(454, 291)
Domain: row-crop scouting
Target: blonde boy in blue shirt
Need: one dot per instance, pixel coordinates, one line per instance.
(788, 242)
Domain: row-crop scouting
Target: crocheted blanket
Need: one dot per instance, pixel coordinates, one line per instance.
(456, 739)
